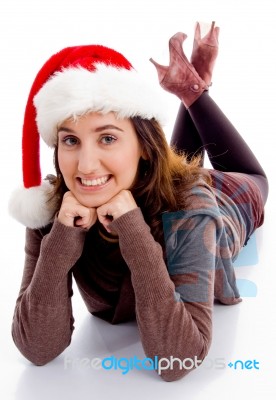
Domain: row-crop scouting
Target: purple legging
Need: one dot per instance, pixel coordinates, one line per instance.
(205, 127)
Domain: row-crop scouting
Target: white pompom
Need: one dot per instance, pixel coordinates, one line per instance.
(31, 207)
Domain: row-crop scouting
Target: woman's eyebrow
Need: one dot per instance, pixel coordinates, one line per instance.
(63, 128)
(105, 127)
(99, 129)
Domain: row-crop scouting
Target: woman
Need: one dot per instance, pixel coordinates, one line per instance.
(144, 231)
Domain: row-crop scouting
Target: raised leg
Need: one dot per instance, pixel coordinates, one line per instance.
(185, 137)
(226, 149)
(200, 123)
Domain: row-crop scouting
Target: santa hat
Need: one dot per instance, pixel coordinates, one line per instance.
(72, 82)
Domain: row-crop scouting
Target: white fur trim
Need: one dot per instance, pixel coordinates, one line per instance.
(75, 91)
(31, 206)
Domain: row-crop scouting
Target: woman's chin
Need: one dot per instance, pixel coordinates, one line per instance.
(91, 201)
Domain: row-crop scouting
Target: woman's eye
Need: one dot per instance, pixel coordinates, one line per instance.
(70, 141)
(108, 139)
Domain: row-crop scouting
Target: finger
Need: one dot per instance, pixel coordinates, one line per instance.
(74, 215)
(87, 218)
(104, 210)
(105, 220)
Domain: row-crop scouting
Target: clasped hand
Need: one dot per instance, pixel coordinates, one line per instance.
(73, 213)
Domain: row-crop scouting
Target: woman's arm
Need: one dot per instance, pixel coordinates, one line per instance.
(168, 326)
(173, 305)
(43, 321)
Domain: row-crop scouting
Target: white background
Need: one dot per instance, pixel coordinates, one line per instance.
(244, 86)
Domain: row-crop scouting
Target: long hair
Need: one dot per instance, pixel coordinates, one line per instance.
(163, 178)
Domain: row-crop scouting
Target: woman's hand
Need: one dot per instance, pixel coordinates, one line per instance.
(117, 206)
(72, 213)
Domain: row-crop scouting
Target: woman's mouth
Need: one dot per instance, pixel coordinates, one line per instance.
(94, 182)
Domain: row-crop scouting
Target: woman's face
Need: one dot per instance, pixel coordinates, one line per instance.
(98, 156)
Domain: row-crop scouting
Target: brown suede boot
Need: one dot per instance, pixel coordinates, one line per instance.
(180, 77)
(205, 51)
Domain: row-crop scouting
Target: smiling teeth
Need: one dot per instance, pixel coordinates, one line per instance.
(94, 182)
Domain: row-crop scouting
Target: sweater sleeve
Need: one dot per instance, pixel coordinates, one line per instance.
(43, 321)
(174, 303)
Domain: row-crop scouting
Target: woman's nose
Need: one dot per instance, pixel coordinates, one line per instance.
(89, 161)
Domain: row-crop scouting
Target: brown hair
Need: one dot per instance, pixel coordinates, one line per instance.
(163, 178)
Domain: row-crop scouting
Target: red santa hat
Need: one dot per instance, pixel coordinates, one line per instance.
(72, 82)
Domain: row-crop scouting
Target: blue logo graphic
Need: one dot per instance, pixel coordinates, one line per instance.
(248, 364)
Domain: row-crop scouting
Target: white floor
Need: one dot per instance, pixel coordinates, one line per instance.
(246, 332)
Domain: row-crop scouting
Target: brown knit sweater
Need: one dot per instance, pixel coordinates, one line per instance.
(172, 303)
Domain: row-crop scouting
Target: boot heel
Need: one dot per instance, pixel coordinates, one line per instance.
(205, 52)
(180, 77)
